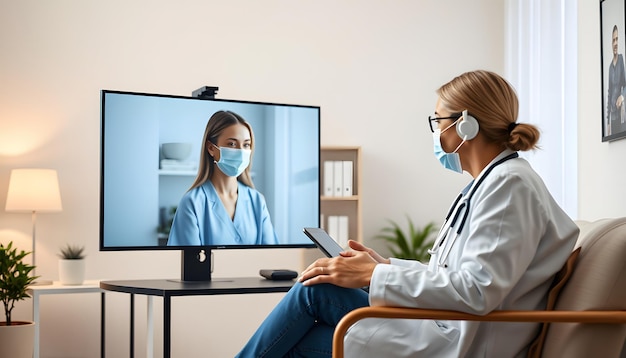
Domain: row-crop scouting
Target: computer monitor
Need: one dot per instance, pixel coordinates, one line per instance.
(142, 181)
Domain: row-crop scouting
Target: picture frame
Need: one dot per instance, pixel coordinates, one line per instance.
(612, 21)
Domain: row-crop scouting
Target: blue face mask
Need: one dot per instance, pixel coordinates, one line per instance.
(233, 161)
(450, 161)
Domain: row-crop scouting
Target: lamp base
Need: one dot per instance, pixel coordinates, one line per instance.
(41, 283)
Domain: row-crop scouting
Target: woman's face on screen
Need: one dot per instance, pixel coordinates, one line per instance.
(236, 136)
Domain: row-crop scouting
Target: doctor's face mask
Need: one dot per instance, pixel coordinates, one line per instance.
(452, 160)
(233, 161)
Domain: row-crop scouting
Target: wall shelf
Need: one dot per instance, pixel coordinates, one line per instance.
(178, 172)
(349, 206)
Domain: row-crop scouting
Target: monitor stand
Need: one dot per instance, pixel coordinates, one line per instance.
(195, 265)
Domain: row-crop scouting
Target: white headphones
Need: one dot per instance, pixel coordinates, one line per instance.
(467, 128)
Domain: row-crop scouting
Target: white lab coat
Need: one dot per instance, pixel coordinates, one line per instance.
(515, 239)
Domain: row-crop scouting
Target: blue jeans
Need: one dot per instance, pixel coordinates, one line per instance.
(303, 322)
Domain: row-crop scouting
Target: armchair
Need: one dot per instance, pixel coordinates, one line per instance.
(588, 298)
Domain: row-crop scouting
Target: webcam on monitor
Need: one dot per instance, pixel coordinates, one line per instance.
(205, 92)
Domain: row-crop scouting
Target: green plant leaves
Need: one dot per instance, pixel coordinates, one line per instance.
(412, 245)
(71, 252)
(14, 278)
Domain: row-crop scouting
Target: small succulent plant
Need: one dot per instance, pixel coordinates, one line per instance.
(72, 252)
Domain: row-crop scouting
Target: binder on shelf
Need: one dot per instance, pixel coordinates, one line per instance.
(343, 231)
(338, 178)
(333, 227)
(329, 175)
(347, 178)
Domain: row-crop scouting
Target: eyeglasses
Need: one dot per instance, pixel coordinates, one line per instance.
(436, 125)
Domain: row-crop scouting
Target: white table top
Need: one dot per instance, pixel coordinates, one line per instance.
(57, 287)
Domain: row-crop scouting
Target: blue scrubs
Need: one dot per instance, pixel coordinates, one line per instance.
(201, 219)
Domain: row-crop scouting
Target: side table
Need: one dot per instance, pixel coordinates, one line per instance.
(57, 288)
(175, 288)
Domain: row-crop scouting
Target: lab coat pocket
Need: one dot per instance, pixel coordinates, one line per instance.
(436, 339)
(446, 330)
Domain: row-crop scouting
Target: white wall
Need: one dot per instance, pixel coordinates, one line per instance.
(601, 185)
(371, 65)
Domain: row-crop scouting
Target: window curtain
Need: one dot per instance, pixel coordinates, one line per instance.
(541, 63)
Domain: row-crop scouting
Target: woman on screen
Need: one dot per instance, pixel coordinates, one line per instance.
(222, 207)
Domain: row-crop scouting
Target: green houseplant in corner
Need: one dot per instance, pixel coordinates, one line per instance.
(17, 338)
(72, 265)
(412, 244)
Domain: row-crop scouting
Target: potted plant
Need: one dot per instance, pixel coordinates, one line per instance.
(166, 219)
(72, 265)
(413, 244)
(17, 338)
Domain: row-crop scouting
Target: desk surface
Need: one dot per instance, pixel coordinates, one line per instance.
(58, 287)
(218, 286)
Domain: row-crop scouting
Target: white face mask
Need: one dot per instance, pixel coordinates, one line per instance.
(452, 160)
(233, 161)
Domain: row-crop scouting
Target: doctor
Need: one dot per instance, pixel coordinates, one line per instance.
(222, 207)
(500, 247)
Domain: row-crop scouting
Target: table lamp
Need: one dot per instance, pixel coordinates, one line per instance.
(34, 191)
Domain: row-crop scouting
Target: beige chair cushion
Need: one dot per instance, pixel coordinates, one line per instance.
(597, 283)
(560, 280)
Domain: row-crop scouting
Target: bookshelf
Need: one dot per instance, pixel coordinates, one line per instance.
(343, 203)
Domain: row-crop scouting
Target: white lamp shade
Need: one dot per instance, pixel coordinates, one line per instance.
(34, 190)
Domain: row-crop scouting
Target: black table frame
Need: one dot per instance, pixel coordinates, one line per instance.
(173, 288)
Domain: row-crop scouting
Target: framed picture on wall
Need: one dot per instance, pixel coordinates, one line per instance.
(612, 30)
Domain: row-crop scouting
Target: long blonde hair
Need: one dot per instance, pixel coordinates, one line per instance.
(493, 102)
(218, 122)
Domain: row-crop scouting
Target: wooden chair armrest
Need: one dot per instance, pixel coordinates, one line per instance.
(496, 316)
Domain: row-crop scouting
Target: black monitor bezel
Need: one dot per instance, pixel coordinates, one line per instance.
(101, 245)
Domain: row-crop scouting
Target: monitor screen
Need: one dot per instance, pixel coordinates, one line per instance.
(151, 147)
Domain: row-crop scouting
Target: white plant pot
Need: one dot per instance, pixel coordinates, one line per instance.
(17, 340)
(72, 272)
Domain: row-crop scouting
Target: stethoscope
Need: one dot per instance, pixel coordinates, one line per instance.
(456, 209)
